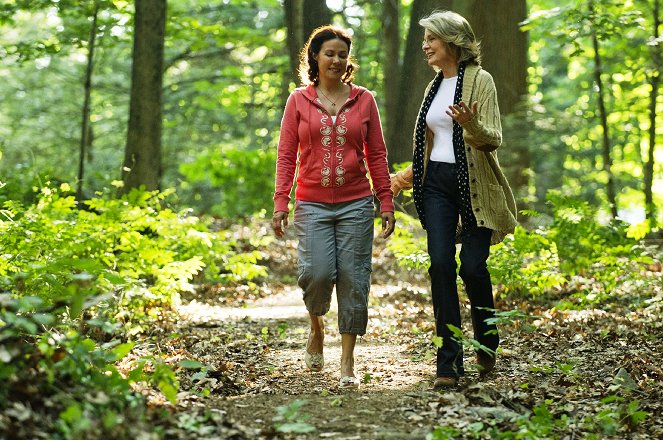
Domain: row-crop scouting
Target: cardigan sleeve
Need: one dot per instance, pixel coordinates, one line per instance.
(376, 158)
(286, 156)
(484, 131)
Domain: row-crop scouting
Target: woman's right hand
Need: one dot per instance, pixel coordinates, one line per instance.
(401, 180)
(395, 187)
(279, 222)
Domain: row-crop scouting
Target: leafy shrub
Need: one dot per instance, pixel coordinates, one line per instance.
(527, 261)
(236, 182)
(408, 243)
(67, 275)
(51, 368)
(574, 247)
(134, 247)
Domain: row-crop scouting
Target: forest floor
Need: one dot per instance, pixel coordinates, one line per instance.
(570, 371)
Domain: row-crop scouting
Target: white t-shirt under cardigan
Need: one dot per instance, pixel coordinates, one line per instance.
(441, 124)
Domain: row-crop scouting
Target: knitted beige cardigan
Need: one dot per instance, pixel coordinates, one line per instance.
(492, 199)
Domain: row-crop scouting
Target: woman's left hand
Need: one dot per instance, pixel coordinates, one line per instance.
(388, 223)
(461, 113)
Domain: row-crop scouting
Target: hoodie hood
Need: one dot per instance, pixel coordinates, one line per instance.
(311, 94)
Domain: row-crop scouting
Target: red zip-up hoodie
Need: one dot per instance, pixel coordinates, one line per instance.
(333, 158)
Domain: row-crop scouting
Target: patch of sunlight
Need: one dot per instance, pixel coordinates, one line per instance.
(584, 315)
(288, 304)
(336, 5)
(201, 312)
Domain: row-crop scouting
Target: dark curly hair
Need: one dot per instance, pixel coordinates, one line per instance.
(308, 66)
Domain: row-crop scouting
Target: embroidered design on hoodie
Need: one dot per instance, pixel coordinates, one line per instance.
(326, 131)
(341, 129)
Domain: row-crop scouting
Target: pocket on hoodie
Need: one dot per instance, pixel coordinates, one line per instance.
(358, 165)
(308, 173)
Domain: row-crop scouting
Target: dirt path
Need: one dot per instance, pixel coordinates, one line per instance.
(574, 374)
(389, 400)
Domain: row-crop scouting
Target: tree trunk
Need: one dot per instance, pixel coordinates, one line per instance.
(503, 46)
(294, 19)
(504, 55)
(654, 81)
(415, 76)
(607, 158)
(85, 123)
(391, 37)
(301, 17)
(142, 160)
(316, 14)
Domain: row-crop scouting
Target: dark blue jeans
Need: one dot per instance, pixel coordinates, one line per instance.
(442, 208)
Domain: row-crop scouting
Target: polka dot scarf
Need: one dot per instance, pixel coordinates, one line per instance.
(467, 217)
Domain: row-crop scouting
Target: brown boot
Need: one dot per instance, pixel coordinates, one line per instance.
(445, 382)
(486, 363)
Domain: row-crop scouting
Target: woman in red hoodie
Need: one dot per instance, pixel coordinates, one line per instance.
(331, 138)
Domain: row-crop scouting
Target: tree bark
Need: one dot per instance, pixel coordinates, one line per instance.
(654, 82)
(496, 24)
(316, 14)
(85, 123)
(607, 157)
(294, 19)
(503, 46)
(391, 37)
(142, 160)
(301, 18)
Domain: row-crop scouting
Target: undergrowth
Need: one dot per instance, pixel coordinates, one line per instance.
(575, 253)
(80, 283)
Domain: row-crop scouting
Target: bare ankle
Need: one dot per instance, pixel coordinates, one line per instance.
(347, 367)
(315, 342)
(317, 325)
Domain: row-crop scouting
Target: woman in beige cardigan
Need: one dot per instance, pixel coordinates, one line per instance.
(460, 192)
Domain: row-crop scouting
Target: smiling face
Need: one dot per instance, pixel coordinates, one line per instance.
(438, 53)
(333, 59)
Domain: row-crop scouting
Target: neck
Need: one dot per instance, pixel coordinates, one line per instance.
(330, 86)
(449, 70)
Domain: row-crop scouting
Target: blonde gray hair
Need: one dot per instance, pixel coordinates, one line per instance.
(454, 30)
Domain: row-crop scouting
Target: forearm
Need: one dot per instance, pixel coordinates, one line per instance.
(403, 179)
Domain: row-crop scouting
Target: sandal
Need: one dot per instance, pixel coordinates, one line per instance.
(349, 382)
(314, 361)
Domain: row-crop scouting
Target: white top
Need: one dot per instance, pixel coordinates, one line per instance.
(334, 119)
(440, 123)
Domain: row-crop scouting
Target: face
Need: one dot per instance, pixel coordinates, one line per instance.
(333, 59)
(437, 51)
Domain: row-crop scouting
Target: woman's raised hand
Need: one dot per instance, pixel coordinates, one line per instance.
(461, 113)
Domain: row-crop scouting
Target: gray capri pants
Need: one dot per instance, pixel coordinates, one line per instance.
(335, 248)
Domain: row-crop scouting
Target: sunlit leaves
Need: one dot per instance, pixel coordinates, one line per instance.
(239, 189)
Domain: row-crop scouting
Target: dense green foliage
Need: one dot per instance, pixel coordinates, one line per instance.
(227, 76)
(563, 117)
(80, 285)
(226, 183)
(223, 90)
